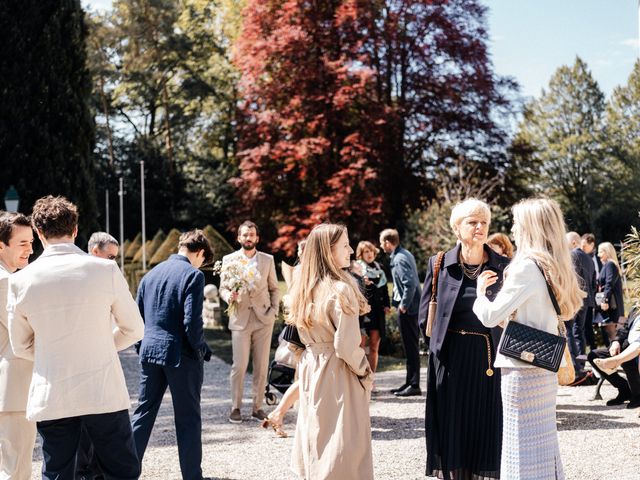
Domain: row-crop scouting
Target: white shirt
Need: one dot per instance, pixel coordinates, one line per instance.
(525, 291)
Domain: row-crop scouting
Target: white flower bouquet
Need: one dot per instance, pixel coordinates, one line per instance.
(237, 276)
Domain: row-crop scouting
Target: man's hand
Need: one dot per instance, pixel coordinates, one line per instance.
(402, 310)
(604, 306)
(614, 348)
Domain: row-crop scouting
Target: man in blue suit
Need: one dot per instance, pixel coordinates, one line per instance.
(406, 298)
(173, 349)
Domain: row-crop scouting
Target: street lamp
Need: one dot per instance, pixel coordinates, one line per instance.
(11, 199)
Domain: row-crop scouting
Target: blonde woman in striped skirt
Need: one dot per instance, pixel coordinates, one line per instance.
(530, 439)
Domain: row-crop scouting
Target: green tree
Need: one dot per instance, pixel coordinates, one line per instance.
(46, 124)
(563, 130)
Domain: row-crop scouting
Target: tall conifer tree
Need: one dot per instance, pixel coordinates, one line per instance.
(46, 125)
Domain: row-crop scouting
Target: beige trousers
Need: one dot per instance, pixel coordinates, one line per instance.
(17, 439)
(254, 340)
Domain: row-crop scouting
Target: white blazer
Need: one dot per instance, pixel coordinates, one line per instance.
(60, 317)
(15, 373)
(524, 290)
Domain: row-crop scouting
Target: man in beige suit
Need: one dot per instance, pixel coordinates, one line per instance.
(61, 309)
(251, 321)
(17, 434)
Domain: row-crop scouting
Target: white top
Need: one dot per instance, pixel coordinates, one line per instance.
(524, 291)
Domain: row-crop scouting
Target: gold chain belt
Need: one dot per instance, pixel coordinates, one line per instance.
(489, 371)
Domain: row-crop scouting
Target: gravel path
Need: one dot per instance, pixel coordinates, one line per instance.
(596, 442)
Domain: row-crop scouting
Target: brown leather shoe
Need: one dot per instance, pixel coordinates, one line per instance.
(259, 415)
(235, 416)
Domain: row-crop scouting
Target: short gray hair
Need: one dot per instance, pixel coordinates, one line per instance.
(468, 208)
(101, 240)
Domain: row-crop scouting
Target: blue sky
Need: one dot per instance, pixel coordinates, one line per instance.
(530, 39)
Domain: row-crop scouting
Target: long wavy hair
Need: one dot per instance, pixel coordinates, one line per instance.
(319, 279)
(610, 250)
(540, 235)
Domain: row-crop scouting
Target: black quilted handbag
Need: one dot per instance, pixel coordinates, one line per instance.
(537, 347)
(290, 334)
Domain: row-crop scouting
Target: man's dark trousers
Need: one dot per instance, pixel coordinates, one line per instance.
(630, 386)
(112, 442)
(410, 334)
(185, 384)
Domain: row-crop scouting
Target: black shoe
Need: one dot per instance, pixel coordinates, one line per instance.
(399, 389)
(634, 402)
(619, 400)
(410, 391)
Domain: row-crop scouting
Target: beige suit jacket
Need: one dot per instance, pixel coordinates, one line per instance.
(263, 299)
(60, 312)
(15, 373)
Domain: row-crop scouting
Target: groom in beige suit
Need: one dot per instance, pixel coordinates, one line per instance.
(61, 308)
(251, 321)
(17, 434)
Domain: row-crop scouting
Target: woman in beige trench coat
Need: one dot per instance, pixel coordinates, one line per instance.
(333, 432)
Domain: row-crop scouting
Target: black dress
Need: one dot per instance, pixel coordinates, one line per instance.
(464, 407)
(377, 295)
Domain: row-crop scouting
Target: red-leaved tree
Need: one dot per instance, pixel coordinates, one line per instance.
(348, 105)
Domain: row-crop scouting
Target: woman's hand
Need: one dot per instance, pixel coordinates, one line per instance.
(486, 279)
(604, 306)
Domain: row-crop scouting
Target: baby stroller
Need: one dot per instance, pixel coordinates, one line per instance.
(280, 377)
(281, 372)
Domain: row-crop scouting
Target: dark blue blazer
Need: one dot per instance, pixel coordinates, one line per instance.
(449, 282)
(170, 300)
(611, 284)
(586, 270)
(406, 283)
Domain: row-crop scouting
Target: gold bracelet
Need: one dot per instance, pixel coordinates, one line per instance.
(489, 371)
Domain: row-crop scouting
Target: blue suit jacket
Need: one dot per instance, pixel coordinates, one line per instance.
(586, 271)
(406, 284)
(170, 300)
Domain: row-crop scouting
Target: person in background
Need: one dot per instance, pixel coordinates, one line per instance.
(101, 245)
(70, 313)
(500, 243)
(607, 360)
(406, 298)
(377, 295)
(588, 246)
(530, 439)
(463, 431)
(610, 283)
(251, 323)
(17, 434)
(173, 350)
(333, 432)
(576, 339)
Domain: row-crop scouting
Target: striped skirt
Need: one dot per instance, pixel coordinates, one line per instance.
(529, 436)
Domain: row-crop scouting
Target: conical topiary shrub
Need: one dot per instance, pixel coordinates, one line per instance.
(152, 247)
(220, 246)
(168, 247)
(133, 247)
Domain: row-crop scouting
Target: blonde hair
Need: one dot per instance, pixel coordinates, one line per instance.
(610, 250)
(468, 208)
(320, 279)
(501, 240)
(366, 245)
(541, 236)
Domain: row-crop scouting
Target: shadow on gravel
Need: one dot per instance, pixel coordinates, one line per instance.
(594, 408)
(385, 428)
(390, 398)
(589, 421)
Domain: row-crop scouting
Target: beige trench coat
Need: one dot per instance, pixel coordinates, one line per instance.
(333, 432)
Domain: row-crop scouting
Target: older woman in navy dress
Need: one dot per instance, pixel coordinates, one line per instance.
(463, 409)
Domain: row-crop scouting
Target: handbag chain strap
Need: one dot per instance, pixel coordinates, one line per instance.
(436, 272)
